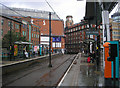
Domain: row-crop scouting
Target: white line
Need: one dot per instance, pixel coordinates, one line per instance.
(66, 73)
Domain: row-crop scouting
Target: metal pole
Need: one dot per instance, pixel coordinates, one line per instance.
(55, 44)
(10, 40)
(114, 76)
(89, 37)
(50, 65)
(39, 43)
(20, 31)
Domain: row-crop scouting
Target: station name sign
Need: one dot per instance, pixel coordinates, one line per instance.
(92, 33)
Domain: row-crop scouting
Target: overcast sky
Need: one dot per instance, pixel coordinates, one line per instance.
(61, 7)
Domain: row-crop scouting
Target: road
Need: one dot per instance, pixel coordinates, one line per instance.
(40, 74)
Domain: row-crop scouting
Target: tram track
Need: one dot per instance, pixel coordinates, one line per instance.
(52, 70)
(42, 78)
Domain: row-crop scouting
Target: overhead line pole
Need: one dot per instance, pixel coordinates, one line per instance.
(50, 65)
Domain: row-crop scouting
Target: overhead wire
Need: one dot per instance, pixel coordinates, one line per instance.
(52, 8)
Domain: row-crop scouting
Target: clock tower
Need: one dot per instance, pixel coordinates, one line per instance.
(69, 21)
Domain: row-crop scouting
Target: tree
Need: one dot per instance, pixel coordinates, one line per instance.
(15, 36)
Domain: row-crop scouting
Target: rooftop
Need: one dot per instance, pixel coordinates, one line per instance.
(12, 11)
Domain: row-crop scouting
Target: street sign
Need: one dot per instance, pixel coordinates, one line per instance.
(92, 33)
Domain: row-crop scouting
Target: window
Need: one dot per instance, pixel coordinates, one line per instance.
(25, 26)
(32, 28)
(16, 26)
(38, 36)
(23, 32)
(2, 32)
(76, 28)
(36, 29)
(2, 21)
(32, 35)
(8, 23)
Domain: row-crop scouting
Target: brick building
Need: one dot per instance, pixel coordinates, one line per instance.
(36, 24)
(78, 37)
(21, 26)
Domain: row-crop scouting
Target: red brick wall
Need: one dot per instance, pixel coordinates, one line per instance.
(57, 28)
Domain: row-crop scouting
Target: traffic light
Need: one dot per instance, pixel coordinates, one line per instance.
(112, 52)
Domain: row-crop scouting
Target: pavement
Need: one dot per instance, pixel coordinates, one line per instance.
(83, 74)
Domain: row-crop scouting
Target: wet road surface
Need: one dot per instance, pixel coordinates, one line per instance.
(40, 74)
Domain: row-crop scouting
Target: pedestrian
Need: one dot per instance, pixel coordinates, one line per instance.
(26, 54)
(33, 53)
(88, 59)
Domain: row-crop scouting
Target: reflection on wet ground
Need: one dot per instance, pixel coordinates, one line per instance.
(89, 76)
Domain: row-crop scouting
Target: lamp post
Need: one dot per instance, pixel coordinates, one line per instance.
(50, 65)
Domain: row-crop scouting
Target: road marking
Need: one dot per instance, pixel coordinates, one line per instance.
(66, 72)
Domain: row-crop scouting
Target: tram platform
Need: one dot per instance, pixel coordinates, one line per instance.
(83, 74)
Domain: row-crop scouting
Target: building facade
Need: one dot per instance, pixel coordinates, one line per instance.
(22, 27)
(69, 21)
(115, 26)
(79, 38)
(36, 26)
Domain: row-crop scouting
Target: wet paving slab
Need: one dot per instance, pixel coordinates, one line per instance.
(84, 74)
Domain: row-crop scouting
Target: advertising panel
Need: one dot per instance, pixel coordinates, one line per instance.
(56, 39)
(15, 50)
(46, 39)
